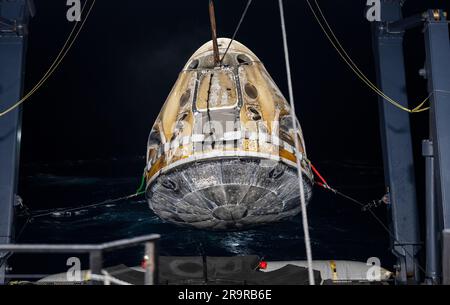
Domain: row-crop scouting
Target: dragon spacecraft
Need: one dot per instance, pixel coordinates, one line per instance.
(221, 154)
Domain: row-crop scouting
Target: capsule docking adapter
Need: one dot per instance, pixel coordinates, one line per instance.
(221, 154)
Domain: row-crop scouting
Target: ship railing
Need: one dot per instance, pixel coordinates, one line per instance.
(96, 253)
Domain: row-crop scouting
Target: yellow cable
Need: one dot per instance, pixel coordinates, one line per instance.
(361, 74)
(422, 110)
(421, 104)
(354, 69)
(372, 85)
(347, 59)
(341, 51)
(61, 55)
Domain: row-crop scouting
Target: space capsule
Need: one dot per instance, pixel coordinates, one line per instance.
(221, 154)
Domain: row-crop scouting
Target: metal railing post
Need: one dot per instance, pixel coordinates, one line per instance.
(96, 263)
(151, 267)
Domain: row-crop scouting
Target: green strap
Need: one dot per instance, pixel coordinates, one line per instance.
(141, 189)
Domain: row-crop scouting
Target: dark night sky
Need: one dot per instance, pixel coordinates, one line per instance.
(104, 98)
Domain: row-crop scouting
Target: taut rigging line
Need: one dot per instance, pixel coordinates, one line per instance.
(331, 36)
(61, 55)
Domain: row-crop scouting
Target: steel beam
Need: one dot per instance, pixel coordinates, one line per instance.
(432, 272)
(446, 262)
(438, 74)
(15, 15)
(437, 46)
(405, 24)
(396, 142)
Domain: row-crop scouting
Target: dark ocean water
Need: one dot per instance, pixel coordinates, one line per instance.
(338, 228)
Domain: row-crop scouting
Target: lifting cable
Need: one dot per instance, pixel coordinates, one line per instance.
(331, 36)
(61, 55)
(364, 207)
(237, 29)
(297, 145)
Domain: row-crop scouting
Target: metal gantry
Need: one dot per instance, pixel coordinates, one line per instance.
(437, 71)
(397, 142)
(14, 16)
(396, 137)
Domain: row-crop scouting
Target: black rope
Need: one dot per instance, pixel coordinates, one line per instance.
(6, 255)
(108, 201)
(237, 29)
(367, 207)
(24, 226)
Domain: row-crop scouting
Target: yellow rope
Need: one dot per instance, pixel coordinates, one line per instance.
(421, 110)
(61, 55)
(348, 60)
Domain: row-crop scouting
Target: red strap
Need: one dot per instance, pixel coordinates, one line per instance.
(324, 182)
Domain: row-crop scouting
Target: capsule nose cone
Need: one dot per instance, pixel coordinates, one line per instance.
(225, 45)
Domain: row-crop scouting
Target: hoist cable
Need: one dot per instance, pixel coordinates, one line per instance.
(297, 146)
(244, 13)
